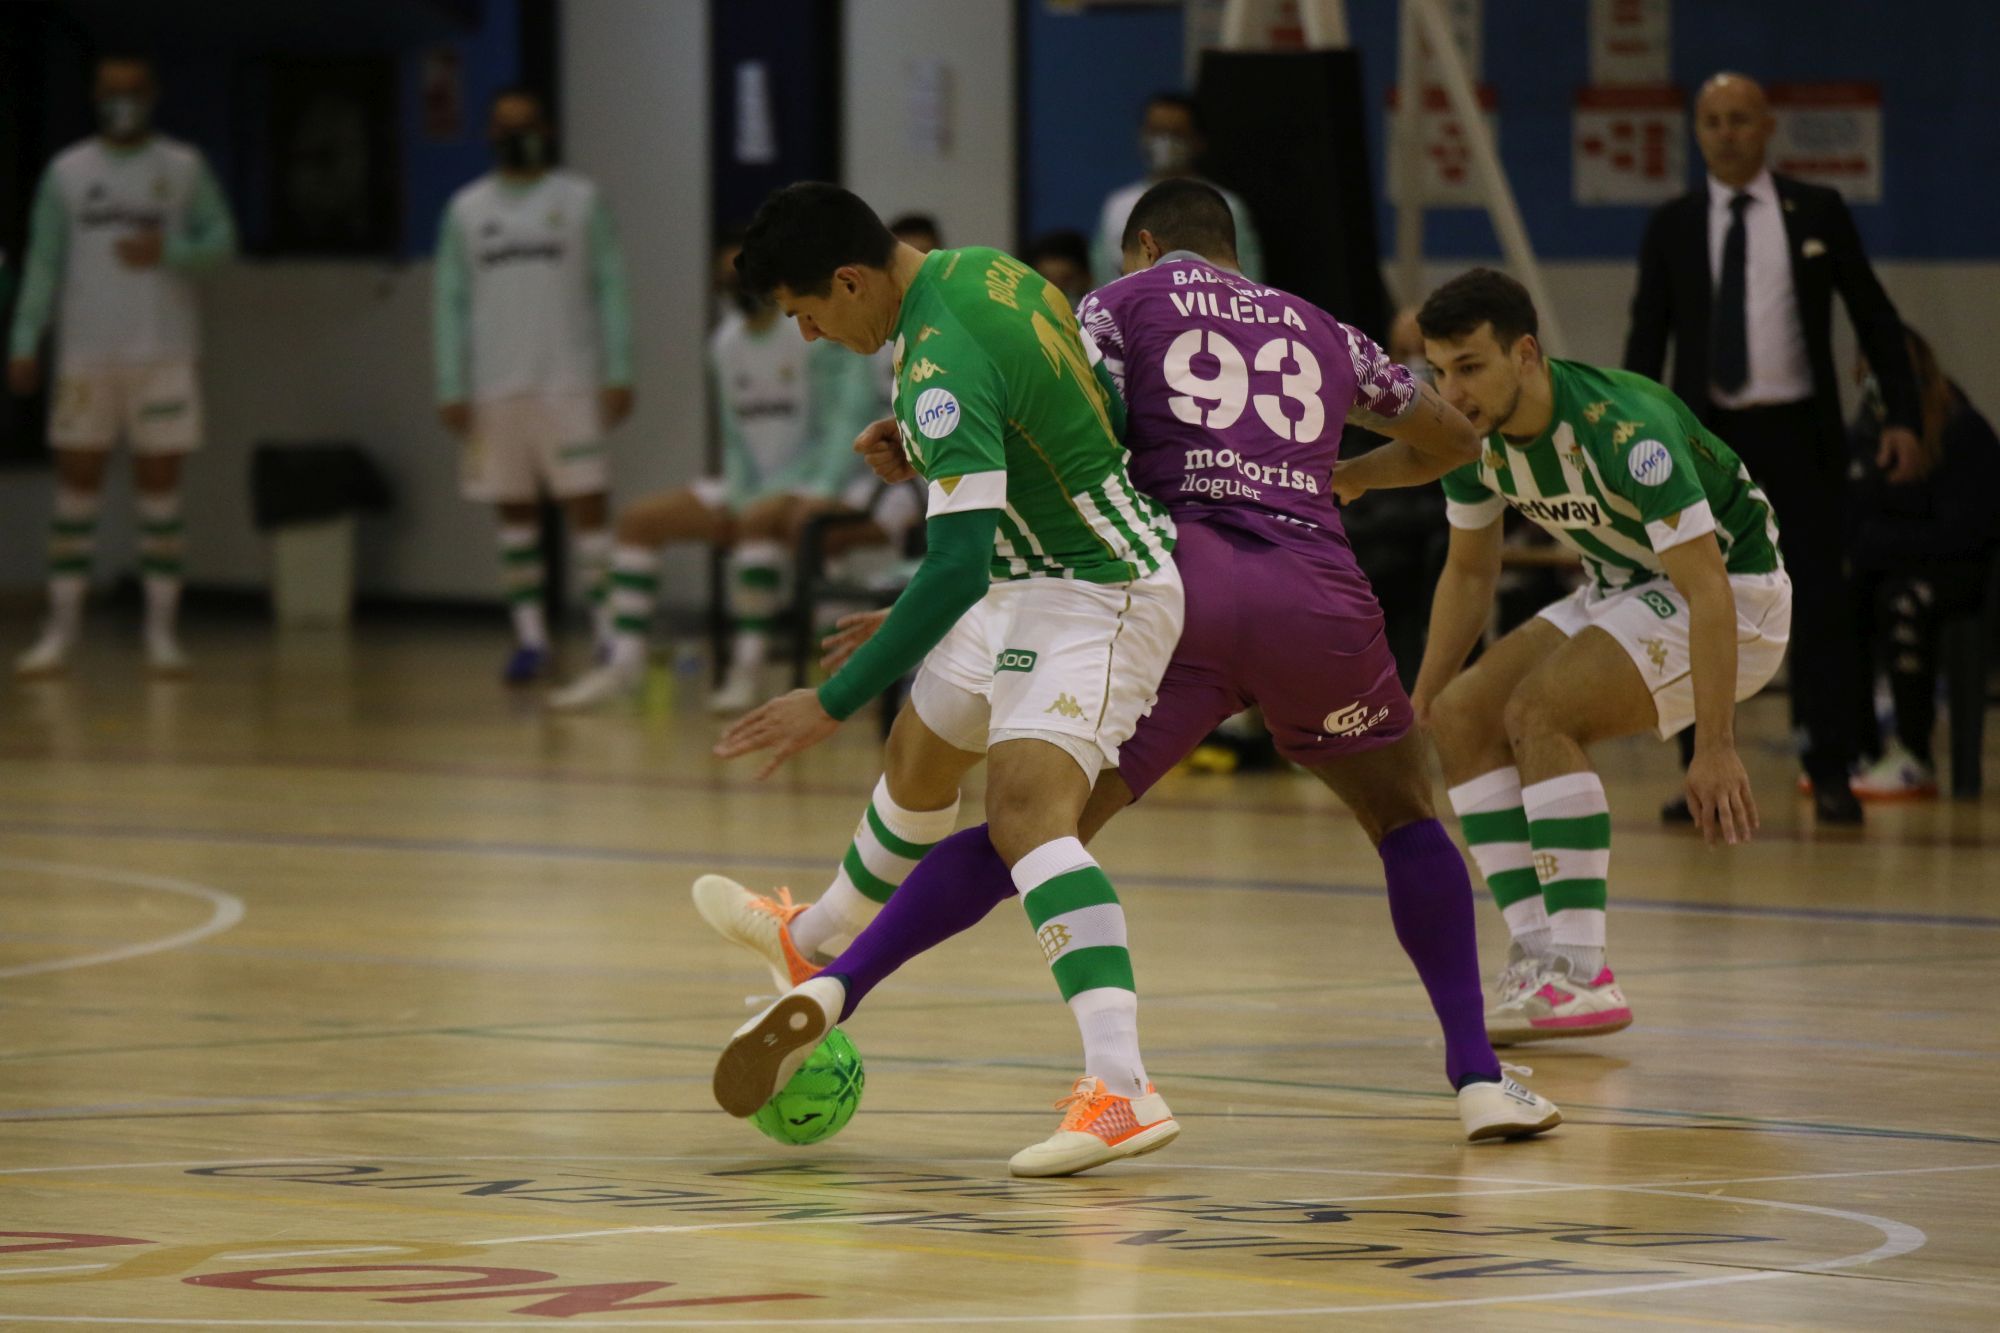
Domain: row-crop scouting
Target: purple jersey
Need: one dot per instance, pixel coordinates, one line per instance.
(1236, 393)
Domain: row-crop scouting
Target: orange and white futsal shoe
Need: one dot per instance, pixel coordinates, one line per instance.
(1556, 1004)
(1098, 1127)
(759, 923)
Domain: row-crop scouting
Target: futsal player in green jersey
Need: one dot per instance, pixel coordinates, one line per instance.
(1686, 610)
(1042, 616)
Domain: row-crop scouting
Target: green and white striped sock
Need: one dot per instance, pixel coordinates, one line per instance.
(72, 541)
(1496, 831)
(755, 600)
(521, 572)
(1569, 826)
(635, 591)
(593, 567)
(887, 844)
(160, 545)
(1081, 927)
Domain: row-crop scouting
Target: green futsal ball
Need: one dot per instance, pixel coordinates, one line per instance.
(820, 1098)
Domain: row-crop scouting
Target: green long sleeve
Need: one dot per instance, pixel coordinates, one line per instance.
(451, 312)
(48, 240)
(206, 235)
(955, 574)
(614, 302)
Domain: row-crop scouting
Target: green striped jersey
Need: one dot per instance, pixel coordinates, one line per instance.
(1623, 472)
(1001, 406)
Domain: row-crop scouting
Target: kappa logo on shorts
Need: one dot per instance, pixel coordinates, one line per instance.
(1352, 720)
(1053, 939)
(1065, 706)
(1014, 659)
(1656, 652)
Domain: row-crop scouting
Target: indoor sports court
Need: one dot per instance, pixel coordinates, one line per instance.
(359, 754)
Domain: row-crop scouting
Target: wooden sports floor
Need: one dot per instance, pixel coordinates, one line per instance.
(341, 989)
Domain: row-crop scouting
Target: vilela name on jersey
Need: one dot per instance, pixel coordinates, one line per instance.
(1237, 303)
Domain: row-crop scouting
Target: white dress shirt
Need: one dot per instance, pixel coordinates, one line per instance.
(1779, 371)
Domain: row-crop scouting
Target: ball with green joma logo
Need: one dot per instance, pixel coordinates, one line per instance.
(820, 1098)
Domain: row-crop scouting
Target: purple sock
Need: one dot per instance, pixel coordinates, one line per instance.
(952, 889)
(1430, 901)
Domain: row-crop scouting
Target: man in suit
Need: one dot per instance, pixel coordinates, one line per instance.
(1739, 274)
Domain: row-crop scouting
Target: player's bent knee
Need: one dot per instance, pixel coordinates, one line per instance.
(1529, 712)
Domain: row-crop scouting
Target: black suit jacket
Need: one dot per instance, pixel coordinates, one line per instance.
(1676, 291)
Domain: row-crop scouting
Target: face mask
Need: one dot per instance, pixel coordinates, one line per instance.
(522, 150)
(1167, 154)
(123, 116)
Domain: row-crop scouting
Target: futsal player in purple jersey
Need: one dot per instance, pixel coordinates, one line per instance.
(1236, 394)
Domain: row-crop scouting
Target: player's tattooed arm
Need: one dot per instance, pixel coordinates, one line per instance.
(1429, 439)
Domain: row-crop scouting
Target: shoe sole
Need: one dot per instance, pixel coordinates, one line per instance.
(1146, 1140)
(1522, 1036)
(1514, 1129)
(747, 1074)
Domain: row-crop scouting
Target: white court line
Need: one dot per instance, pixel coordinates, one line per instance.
(227, 911)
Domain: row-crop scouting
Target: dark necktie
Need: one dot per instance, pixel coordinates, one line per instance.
(1729, 329)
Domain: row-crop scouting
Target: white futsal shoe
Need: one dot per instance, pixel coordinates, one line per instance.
(1098, 1126)
(599, 686)
(768, 1050)
(741, 690)
(163, 654)
(1505, 1110)
(758, 922)
(48, 657)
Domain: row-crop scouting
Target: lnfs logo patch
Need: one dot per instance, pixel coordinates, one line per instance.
(936, 413)
(1649, 463)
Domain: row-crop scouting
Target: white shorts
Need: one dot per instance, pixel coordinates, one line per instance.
(1072, 663)
(519, 447)
(1650, 621)
(155, 409)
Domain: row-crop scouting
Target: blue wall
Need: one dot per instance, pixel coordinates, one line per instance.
(1086, 75)
(432, 172)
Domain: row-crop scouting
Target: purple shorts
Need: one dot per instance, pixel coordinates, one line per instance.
(1296, 631)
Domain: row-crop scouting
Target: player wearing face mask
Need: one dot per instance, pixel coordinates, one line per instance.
(1171, 141)
(122, 223)
(534, 359)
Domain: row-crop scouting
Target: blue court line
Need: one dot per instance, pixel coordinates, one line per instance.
(709, 858)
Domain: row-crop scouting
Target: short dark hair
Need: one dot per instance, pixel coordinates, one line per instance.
(1064, 244)
(1184, 214)
(805, 231)
(1180, 100)
(1475, 297)
(904, 224)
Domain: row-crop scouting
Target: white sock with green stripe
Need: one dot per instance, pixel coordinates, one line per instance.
(1569, 825)
(593, 569)
(635, 591)
(72, 541)
(1496, 830)
(888, 843)
(521, 565)
(1081, 927)
(755, 600)
(160, 545)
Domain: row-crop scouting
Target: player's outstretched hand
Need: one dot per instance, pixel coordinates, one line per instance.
(1718, 792)
(851, 631)
(881, 444)
(787, 725)
(1346, 489)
